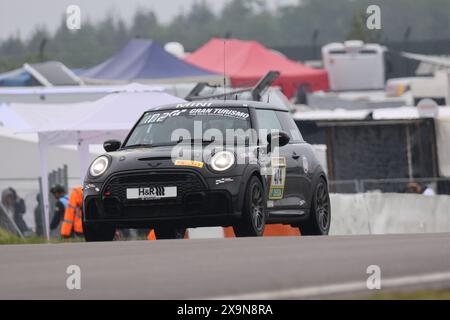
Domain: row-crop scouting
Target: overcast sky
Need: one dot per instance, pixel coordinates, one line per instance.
(23, 15)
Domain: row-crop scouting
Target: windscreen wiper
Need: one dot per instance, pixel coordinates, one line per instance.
(139, 145)
(151, 145)
(193, 141)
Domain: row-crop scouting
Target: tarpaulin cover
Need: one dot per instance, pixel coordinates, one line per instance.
(247, 61)
(144, 59)
(374, 150)
(443, 145)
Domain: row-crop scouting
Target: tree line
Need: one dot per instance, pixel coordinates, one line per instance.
(306, 23)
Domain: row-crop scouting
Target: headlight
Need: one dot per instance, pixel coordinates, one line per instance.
(222, 160)
(99, 166)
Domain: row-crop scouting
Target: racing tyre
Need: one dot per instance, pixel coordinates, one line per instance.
(169, 233)
(319, 219)
(253, 221)
(98, 233)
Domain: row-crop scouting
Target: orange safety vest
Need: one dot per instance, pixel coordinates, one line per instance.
(73, 215)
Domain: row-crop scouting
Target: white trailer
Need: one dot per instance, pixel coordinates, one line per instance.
(354, 65)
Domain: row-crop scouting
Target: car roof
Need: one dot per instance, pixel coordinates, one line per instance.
(221, 104)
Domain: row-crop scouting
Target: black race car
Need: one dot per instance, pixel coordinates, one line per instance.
(210, 163)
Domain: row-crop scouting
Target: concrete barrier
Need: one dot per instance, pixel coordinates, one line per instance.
(384, 213)
(367, 213)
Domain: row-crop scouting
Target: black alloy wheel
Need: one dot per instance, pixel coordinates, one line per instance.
(319, 219)
(253, 221)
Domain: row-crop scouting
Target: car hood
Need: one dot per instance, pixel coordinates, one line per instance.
(139, 153)
(155, 158)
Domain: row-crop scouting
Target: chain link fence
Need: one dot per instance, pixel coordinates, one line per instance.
(29, 190)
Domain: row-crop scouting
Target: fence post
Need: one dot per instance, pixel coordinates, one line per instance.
(356, 186)
(65, 178)
(41, 195)
(361, 186)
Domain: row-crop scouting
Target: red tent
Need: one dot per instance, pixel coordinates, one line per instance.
(248, 61)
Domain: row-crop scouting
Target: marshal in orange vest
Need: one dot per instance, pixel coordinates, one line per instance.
(73, 215)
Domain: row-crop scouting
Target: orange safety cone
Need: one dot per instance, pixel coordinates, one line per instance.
(151, 235)
(280, 230)
(228, 232)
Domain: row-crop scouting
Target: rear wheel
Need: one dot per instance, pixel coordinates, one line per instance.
(319, 219)
(169, 233)
(253, 221)
(94, 232)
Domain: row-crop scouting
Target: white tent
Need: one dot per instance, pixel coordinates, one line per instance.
(82, 124)
(72, 94)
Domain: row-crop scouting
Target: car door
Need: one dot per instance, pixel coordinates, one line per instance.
(304, 155)
(283, 182)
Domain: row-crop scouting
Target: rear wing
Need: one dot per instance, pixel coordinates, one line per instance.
(256, 91)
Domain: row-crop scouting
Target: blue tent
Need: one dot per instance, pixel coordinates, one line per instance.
(15, 78)
(144, 59)
(49, 73)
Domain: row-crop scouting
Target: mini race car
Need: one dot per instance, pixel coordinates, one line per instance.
(210, 163)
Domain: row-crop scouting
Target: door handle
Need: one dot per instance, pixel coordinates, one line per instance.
(295, 156)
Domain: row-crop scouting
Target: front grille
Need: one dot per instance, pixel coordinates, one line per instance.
(195, 204)
(184, 181)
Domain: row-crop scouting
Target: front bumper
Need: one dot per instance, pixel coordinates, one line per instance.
(200, 201)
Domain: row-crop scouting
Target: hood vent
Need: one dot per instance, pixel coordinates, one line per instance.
(154, 158)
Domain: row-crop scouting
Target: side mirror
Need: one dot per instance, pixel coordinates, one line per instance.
(111, 145)
(279, 138)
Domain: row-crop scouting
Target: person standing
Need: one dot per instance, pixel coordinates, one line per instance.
(62, 200)
(7, 207)
(72, 224)
(38, 217)
(19, 209)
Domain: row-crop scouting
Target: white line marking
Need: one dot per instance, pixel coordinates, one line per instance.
(296, 293)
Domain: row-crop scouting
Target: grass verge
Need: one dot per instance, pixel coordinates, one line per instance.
(430, 294)
(7, 237)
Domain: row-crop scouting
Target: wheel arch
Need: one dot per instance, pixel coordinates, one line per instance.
(319, 174)
(249, 173)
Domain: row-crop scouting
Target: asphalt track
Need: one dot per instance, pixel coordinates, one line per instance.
(247, 268)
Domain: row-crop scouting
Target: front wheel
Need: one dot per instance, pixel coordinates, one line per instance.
(319, 219)
(253, 221)
(94, 233)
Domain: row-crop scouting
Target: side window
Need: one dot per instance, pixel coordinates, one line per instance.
(267, 120)
(289, 126)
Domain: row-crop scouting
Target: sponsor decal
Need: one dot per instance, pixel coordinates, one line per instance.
(91, 186)
(219, 112)
(159, 117)
(305, 164)
(278, 178)
(189, 163)
(223, 180)
(149, 193)
(194, 104)
(152, 117)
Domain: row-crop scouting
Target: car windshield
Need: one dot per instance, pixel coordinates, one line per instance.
(169, 127)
